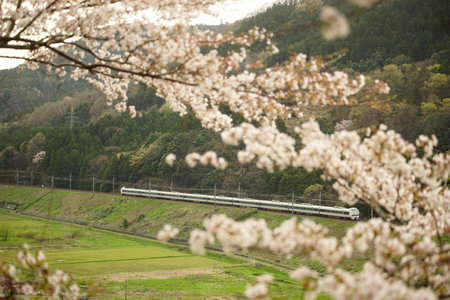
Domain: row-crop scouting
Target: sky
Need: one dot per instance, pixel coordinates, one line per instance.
(229, 12)
(233, 10)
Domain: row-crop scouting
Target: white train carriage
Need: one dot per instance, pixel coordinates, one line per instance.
(337, 212)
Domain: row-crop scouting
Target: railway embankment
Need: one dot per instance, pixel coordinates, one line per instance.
(138, 215)
(135, 214)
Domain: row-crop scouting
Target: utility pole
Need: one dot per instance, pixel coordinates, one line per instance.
(292, 202)
(320, 198)
(93, 183)
(70, 180)
(239, 190)
(52, 182)
(214, 194)
(72, 118)
(149, 187)
(125, 289)
(114, 179)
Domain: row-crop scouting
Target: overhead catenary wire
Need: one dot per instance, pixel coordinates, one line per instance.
(36, 178)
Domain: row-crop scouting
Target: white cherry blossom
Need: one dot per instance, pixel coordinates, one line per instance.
(167, 233)
(335, 24)
(170, 159)
(405, 183)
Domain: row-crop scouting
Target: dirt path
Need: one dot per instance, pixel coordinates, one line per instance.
(160, 274)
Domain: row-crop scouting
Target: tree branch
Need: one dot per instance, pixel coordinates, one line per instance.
(35, 18)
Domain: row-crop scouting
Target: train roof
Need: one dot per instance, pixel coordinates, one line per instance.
(265, 202)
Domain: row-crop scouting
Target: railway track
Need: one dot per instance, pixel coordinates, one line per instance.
(287, 213)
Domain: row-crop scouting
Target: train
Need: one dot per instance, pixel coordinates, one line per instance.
(351, 213)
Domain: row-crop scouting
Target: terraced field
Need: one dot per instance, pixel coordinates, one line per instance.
(144, 269)
(151, 270)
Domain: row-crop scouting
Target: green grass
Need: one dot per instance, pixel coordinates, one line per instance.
(230, 283)
(55, 235)
(146, 216)
(121, 260)
(143, 215)
(140, 265)
(90, 253)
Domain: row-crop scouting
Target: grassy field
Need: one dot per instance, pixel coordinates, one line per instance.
(143, 215)
(152, 270)
(144, 268)
(149, 215)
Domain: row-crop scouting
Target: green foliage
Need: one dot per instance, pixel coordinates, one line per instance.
(4, 232)
(281, 125)
(125, 223)
(11, 159)
(273, 180)
(325, 125)
(292, 181)
(28, 89)
(145, 98)
(34, 145)
(364, 116)
(428, 109)
(438, 86)
(392, 75)
(313, 190)
(445, 103)
(387, 39)
(394, 31)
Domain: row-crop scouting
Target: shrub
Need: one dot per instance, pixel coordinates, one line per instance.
(125, 223)
(4, 232)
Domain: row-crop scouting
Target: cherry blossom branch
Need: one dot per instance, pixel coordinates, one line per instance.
(35, 18)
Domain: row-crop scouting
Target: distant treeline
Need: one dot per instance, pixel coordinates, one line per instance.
(403, 42)
(394, 31)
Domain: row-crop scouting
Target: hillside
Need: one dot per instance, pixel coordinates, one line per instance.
(404, 43)
(101, 258)
(22, 91)
(140, 215)
(359, 125)
(395, 31)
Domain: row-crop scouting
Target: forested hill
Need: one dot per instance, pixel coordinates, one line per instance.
(402, 42)
(395, 31)
(22, 91)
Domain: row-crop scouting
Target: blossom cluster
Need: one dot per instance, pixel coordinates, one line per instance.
(404, 183)
(170, 159)
(153, 43)
(343, 125)
(267, 145)
(208, 158)
(167, 233)
(401, 261)
(42, 282)
(38, 157)
(260, 289)
(382, 169)
(335, 24)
